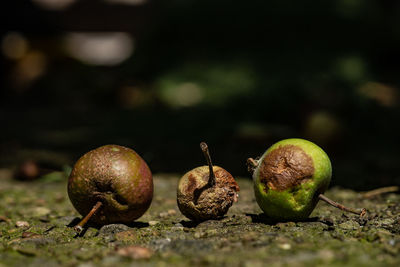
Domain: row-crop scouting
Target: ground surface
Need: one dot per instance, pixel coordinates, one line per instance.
(35, 216)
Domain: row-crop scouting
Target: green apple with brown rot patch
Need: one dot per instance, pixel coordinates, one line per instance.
(290, 178)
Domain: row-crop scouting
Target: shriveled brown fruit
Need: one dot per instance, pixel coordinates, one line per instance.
(28, 171)
(206, 192)
(110, 184)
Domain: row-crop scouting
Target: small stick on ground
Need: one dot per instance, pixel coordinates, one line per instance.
(380, 191)
(79, 227)
(360, 212)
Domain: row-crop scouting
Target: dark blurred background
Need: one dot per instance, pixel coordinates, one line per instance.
(161, 76)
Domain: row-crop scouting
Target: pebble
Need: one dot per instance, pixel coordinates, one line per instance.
(167, 213)
(285, 246)
(40, 211)
(163, 214)
(177, 227)
(22, 224)
(135, 252)
(113, 229)
(171, 212)
(152, 223)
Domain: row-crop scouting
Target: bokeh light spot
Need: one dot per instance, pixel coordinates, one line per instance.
(29, 68)
(322, 127)
(127, 2)
(385, 95)
(106, 49)
(14, 45)
(130, 97)
(349, 8)
(215, 84)
(183, 95)
(351, 68)
(54, 4)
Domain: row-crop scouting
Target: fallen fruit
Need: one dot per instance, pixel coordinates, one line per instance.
(290, 178)
(110, 184)
(206, 192)
(28, 171)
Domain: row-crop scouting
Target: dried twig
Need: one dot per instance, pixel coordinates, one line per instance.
(380, 191)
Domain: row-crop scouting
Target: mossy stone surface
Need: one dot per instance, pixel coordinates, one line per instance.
(244, 237)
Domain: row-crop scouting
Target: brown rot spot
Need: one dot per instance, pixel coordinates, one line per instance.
(286, 167)
(192, 184)
(225, 179)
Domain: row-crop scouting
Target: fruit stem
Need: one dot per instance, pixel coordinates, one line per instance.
(361, 212)
(204, 148)
(251, 164)
(379, 191)
(79, 227)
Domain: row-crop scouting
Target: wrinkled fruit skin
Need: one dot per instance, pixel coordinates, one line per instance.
(289, 177)
(118, 177)
(199, 202)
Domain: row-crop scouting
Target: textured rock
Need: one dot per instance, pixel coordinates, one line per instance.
(244, 237)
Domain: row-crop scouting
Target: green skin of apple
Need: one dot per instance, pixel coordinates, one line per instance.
(295, 203)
